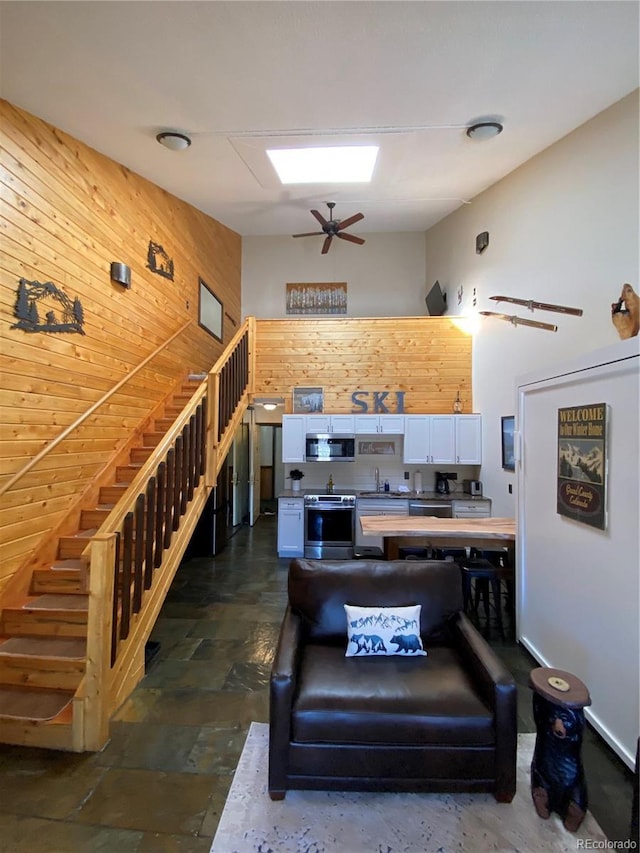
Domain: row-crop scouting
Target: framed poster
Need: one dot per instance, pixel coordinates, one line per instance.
(210, 311)
(508, 457)
(582, 435)
(308, 401)
(317, 298)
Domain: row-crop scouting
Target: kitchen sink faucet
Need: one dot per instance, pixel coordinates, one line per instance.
(377, 475)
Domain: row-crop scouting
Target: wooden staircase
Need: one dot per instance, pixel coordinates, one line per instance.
(43, 641)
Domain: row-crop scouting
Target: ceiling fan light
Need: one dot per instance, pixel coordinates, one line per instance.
(173, 140)
(482, 130)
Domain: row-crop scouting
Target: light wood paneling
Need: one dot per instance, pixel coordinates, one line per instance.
(427, 358)
(68, 212)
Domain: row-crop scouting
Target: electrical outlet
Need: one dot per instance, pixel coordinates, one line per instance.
(406, 475)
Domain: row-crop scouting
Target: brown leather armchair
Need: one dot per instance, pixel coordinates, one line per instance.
(445, 722)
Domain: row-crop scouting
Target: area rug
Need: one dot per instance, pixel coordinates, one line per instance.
(347, 822)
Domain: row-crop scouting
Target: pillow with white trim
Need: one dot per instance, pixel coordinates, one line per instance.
(383, 631)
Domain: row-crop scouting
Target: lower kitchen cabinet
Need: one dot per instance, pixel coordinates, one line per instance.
(290, 527)
(471, 509)
(377, 506)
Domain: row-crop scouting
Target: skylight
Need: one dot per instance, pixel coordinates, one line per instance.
(337, 165)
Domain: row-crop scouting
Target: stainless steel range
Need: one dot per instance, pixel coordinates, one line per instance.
(329, 526)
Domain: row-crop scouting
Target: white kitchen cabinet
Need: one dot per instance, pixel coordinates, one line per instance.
(294, 430)
(330, 423)
(377, 506)
(417, 444)
(468, 439)
(429, 439)
(290, 527)
(443, 439)
(379, 424)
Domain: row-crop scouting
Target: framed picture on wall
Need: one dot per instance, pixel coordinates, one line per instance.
(508, 458)
(308, 401)
(210, 311)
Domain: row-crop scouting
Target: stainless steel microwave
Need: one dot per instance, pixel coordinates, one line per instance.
(329, 447)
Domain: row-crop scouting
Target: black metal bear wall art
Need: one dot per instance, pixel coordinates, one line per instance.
(557, 775)
(50, 299)
(158, 261)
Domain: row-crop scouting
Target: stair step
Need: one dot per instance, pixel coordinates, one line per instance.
(72, 546)
(110, 495)
(57, 663)
(139, 455)
(152, 439)
(58, 580)
(72, 648)
(94, 518)
(163, 424)
(25, 703)
(126, 473)
(48, 615)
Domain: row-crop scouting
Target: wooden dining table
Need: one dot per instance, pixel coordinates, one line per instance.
(430, 532)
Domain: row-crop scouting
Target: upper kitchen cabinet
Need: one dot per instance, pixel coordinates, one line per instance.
(294, 430)
(468, 439)
(429, 439)
(379, 424)
(330, 423)
(443, 439)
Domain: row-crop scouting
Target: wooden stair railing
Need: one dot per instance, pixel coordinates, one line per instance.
(135, 553)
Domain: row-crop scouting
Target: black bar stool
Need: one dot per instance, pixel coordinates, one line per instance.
(482, 576)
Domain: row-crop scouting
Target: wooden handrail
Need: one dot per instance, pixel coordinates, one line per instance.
(68, 430)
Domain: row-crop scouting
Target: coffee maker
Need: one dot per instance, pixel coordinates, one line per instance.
(442, 483)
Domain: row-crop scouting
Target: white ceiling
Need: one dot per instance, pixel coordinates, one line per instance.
(237, 76)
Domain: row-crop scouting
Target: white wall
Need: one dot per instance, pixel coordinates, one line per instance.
(385, 276)
(578, 585)
(563, 229)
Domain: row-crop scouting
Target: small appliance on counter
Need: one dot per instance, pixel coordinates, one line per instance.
(472, 487)
(442, 482)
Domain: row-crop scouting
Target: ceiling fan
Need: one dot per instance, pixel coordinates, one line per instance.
(334, 227)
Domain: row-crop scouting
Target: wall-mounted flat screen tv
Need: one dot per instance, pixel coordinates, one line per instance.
(436, 301)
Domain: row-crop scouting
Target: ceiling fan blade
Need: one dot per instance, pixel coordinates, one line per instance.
(345, 223)
(351, 237)
(325, 245)
(319, 217)
(308, 234)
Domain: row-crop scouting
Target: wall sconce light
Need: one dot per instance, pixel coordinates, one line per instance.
(173, 140)
(121, 274)
(269, 403)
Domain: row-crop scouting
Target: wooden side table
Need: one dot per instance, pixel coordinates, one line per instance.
(557, 775)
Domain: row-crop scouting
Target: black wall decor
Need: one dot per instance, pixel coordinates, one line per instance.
(158, 261)
(482, 241)
(52, 300)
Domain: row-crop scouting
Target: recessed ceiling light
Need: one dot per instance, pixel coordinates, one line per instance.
(484, 130)
(334, 165)
(173, 141)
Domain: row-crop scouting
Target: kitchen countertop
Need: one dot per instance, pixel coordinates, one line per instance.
(413, 496)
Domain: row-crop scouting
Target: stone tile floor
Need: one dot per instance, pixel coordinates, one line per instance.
(161, 782)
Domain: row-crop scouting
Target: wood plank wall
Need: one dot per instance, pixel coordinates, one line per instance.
(68, 212)
(429, 358)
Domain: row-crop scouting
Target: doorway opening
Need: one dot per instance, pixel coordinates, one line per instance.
(271, 467)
